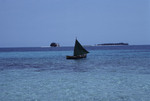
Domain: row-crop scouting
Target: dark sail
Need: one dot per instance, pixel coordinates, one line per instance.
(78, 49)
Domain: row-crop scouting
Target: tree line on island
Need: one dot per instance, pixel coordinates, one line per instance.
(53, 44)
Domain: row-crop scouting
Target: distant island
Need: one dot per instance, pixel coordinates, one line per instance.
(53, 44)
(112, 44)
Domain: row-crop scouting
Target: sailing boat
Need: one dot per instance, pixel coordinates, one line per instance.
(79, 51)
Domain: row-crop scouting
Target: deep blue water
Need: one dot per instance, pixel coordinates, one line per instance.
(109, 73)
(25, 49)
(117, 58)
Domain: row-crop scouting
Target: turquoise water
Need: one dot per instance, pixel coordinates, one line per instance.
(107, 74)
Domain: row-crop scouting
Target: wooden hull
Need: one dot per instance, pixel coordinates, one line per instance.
(76, 57)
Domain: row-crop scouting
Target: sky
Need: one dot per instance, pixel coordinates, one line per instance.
(35, 23)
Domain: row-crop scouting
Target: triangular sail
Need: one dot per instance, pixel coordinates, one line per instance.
(78, 49)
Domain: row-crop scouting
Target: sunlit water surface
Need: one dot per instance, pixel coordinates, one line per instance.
(107, 74)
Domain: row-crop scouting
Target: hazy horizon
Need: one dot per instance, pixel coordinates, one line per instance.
(36, 23)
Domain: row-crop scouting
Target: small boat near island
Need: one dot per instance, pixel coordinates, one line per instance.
(79, 51)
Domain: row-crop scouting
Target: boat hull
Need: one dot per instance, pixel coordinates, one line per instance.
(76, 57)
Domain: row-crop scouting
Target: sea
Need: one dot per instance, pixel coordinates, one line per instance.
(109, 73)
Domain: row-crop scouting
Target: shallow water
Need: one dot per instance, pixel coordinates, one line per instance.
(105, 75)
